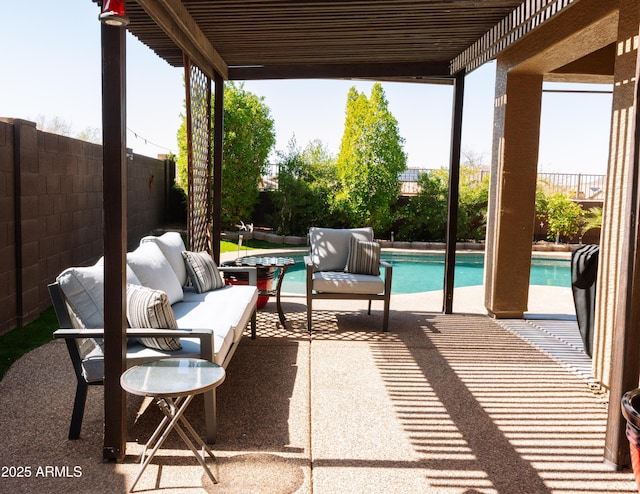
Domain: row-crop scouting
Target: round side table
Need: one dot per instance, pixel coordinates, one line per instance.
(173, 382)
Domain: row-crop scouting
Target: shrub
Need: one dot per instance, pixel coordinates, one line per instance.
(564, 216)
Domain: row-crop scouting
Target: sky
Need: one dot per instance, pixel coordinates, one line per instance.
(50, 68)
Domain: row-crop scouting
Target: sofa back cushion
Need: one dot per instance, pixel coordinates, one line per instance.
(330, 246)
(83, 289)
(154, 271)
(172, 246)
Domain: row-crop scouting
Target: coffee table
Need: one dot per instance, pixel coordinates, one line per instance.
(268, 262)
(173, 382)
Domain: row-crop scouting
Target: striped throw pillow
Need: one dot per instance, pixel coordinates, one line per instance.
(203, 271)
(149, 308)
(364, 257)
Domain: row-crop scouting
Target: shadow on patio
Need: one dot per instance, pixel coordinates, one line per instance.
(442, 404)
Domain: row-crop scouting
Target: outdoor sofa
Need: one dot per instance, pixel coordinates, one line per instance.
(177, 306)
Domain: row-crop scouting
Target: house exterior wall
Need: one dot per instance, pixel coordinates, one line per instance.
(585, 28)
(51, 212)
(616, 211)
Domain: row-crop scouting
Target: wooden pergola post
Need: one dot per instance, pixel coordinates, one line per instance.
(114, 166)
(218, 139)
(454, 187)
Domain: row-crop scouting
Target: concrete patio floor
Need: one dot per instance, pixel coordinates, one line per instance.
(452, 404)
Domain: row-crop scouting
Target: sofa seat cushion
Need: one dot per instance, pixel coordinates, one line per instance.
(138, 353)
(93, 366)
(230, 306)
(330, 246)
(341, 282)
(192, 315)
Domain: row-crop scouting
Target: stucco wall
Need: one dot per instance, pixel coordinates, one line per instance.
(616, 210)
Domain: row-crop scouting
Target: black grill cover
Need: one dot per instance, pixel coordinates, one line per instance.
(584, 271)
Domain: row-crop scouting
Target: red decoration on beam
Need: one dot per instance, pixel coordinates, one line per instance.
(113, 13)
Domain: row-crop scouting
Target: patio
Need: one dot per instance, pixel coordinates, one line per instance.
(591, 42)
(442, 403)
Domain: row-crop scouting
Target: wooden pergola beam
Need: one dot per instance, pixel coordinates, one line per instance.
(419, 71)
(510, 30)
(174, 19)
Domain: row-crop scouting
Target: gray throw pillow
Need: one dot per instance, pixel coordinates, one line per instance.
(203, 271)
(364, 257)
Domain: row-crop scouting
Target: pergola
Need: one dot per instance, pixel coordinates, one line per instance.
(429, 41)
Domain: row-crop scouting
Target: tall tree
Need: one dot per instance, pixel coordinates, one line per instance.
(371, 159)
(249, 136)
(306, 181)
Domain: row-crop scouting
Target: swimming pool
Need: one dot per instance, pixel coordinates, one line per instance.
(413, 273)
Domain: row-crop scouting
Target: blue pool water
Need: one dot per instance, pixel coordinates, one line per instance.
(422, 273)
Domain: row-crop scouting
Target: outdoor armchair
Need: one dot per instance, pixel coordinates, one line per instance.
(345, 264)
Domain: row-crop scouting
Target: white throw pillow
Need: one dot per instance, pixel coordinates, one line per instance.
(154, 271)
(172, 246)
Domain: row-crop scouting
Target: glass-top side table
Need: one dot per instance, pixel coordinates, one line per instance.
(173, 382)
(268, 262)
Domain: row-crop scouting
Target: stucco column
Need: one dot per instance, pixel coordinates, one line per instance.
(512, 192)
(616, 210)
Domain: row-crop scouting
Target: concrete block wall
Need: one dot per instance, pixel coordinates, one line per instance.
(7, 230)
(146, 197)
(51, 212)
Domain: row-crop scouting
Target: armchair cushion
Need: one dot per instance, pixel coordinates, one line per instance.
(347, 283)
(364, 257)
(149, 308)
(330, 246)
(203, 271)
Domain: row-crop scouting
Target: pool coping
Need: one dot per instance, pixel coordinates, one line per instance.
(543, 254)
(227, 256)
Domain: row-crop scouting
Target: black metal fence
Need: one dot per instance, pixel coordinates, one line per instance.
(578, 186)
